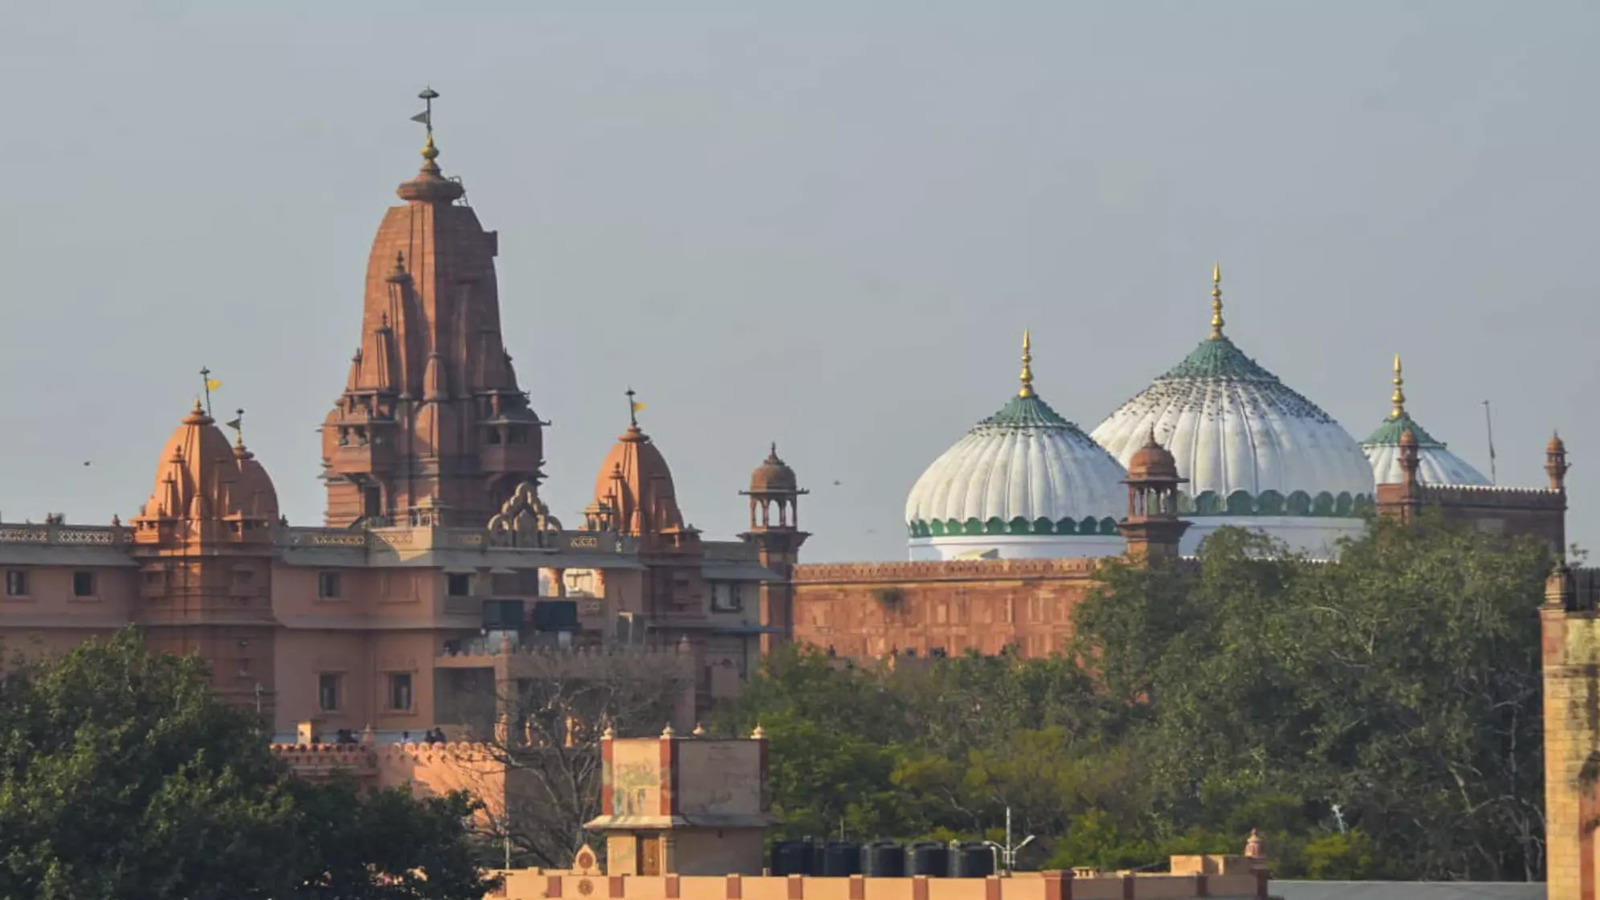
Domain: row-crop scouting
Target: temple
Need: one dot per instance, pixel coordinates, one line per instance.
(440, 579)
(432, 428)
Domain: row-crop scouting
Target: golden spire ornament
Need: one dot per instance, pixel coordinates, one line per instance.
(1027, 367)
(1216, 300)
(1398, 398)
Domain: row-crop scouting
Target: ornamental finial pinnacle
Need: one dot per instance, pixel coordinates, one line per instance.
(1027, 367)
(1398, 398)
(1216, 300)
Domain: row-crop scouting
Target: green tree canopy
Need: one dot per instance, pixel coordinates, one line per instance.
(123, 775)
(1374, 717)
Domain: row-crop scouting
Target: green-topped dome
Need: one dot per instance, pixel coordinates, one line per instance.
(1029, 410)
(1024, 482)
(1435, 463)
(1219, 358)
(1391, 429)
(1250, 446)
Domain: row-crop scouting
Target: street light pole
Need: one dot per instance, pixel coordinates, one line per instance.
(1007, 856)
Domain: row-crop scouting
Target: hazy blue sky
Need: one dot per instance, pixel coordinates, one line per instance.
(822, 223)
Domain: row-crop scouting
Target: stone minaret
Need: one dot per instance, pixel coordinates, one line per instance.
(1555, 463)
(432, 428)
(775, 530)
(1152, 527)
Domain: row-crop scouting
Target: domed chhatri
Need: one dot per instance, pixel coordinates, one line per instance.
(1253, 449)
(1022, 483)
(1435, 463)
(773, 475)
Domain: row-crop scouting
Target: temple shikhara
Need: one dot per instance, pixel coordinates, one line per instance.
(439, 577)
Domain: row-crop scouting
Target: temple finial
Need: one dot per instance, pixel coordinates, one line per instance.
(1027, 367)
(429, 151)
(1216, 300)
(1398, 398)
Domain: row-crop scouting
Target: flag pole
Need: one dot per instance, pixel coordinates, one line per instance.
(205, 381)
(1488, 424)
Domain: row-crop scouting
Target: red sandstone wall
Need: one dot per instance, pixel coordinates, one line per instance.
(874, 609)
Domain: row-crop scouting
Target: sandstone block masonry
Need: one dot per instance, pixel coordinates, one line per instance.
(933, 608)
(1571, 659)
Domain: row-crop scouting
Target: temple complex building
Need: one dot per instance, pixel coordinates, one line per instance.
(439, 579)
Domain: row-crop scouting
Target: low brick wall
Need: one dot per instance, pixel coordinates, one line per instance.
(535, 884)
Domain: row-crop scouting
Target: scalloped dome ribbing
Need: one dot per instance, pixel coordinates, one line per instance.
(1024, 462)
(1233, 426)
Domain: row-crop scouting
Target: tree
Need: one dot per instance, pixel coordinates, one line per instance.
(386, 845)
(1395, 692)
(122, 774)
(543, 730)
(1374, 717)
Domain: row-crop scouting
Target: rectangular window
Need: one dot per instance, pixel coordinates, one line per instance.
(82, 584)
(400, 691)
(371, 501)
(16, 583)
(328, 692)
(724, 596)
(458, 584)
(327, 584)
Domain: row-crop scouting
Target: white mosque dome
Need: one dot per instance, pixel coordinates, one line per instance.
(1435, 463)
(1024, 482)
(1251, 447)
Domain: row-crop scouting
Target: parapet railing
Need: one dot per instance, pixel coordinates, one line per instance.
(65, 535)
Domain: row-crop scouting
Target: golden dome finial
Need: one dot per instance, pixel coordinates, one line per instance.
(1398, 398)
(429, 151)
(1027, 367)
(1216, 300)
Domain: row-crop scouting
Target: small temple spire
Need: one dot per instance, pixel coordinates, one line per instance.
(1027, 367)
(1216, 301)
(1398, 398)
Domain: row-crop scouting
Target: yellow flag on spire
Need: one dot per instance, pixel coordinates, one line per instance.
(212, 384)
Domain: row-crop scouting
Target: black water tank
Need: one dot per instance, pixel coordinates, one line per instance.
(971, 860)
(883, 859)
(841, 858)
(930, 858)
(791, 858)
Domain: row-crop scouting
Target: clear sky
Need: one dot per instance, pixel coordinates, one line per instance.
(820, 223)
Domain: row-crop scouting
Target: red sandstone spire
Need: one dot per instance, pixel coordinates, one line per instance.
(206, 490)
(431, 410)
(633, 492)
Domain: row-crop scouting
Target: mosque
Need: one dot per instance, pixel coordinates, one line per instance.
(1005, 527)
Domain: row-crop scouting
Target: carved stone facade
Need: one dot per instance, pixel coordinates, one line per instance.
(440, 569)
